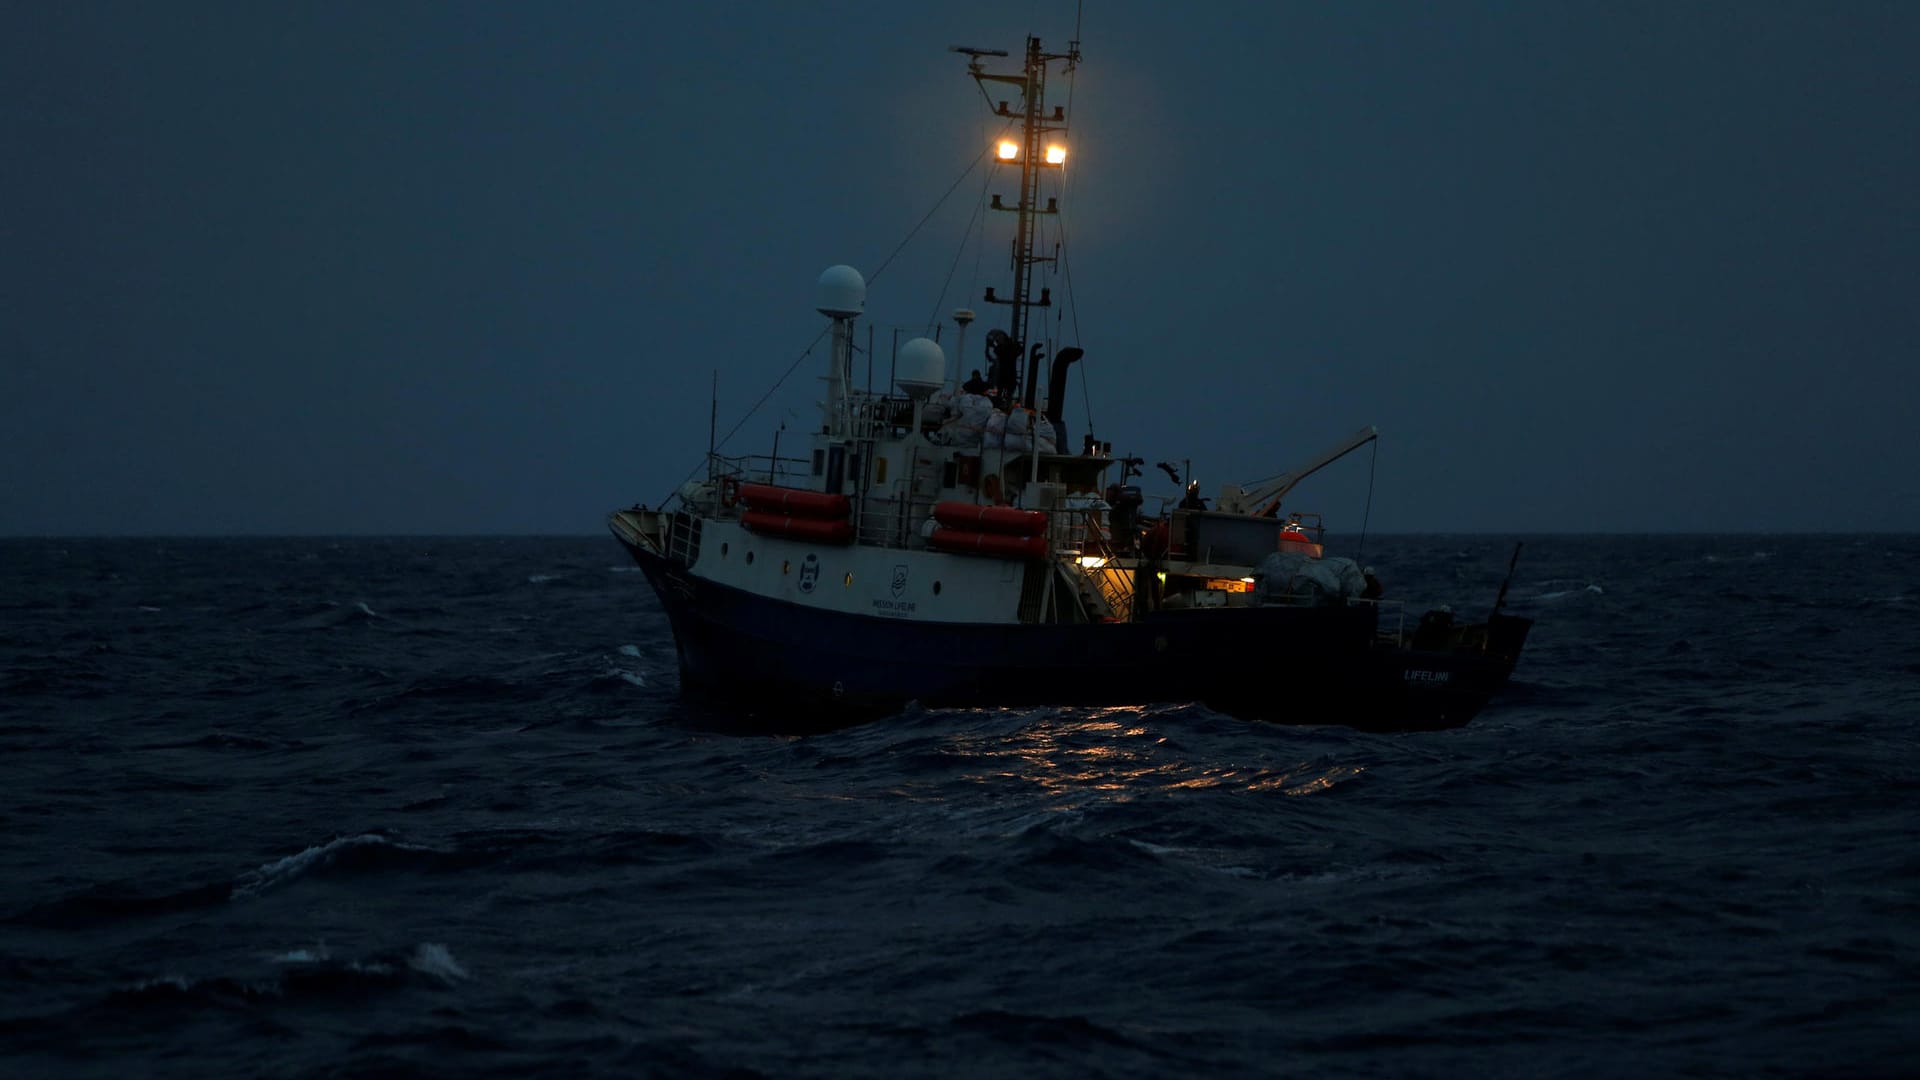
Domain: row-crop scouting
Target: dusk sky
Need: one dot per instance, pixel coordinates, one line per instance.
(470, 268)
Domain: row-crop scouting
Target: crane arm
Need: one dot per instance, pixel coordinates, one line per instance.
(1261, 495)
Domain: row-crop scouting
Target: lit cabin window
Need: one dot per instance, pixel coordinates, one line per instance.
(849, 579)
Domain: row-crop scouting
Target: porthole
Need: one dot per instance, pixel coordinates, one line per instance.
(723, 551)
(749, 558)
(936, 588)
(849, 580)
(786, 566)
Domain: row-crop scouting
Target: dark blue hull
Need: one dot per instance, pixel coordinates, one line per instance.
(798, 668)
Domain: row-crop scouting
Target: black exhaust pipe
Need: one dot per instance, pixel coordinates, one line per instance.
(1057, 393)
(1057, 383)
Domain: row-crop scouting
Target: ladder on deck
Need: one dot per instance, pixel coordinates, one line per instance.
(1107, 584)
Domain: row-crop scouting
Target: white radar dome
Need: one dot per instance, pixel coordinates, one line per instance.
(842, 292)
(920, 367)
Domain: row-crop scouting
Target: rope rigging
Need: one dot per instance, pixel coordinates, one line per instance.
(966, 237)
(1066, 267)
(928, 216)
(977, 215)
(875, 276)
(771, 390)
(1360, 556)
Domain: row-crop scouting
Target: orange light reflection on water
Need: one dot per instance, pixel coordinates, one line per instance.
(1117, 751)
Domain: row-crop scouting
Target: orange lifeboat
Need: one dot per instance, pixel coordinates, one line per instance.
(990, 519)
(793, 502)
(966, 542)
(821, 530)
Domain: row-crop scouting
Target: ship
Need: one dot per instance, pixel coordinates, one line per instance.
(940, 543)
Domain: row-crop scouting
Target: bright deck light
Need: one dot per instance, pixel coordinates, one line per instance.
(1056, 155)
(1008, 150)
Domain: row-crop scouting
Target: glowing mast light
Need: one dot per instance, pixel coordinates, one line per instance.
(1008, 150)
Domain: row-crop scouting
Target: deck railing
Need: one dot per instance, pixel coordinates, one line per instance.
(760, 469)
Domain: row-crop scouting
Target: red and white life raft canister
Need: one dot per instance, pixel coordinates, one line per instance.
(796, 514)
(1000, 531)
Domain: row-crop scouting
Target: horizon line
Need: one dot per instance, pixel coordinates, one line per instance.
(1520, 533)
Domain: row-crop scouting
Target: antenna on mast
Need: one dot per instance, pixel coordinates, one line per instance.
(1034, 153)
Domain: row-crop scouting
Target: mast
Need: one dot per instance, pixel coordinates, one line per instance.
(1034, 153)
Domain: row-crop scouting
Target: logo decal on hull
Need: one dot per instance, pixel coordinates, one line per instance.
(899, 580)
(809, 573)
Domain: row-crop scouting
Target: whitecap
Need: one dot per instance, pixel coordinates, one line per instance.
(432, 958)
(623, 569)
(542, 579)
(280, 871)
(1207, 859)
(629, 650)
(173, 982)
(315, 955)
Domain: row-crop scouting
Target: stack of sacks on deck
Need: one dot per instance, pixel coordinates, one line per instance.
(1015, 431)
(1290, 577)
(966, 424)
(973, 421)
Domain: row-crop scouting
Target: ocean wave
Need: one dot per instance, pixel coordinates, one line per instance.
(1036, 1030)
(1698, 762)
(451, 689)
(428, 964)
(614, 678)
(577, 849)
(228, 740)
(279, 872)
(435, 961)
(334, 614)
(115, 902)
(347, 855)
(1561, 594)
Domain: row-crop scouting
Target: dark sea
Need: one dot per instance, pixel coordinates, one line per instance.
(319, 807)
